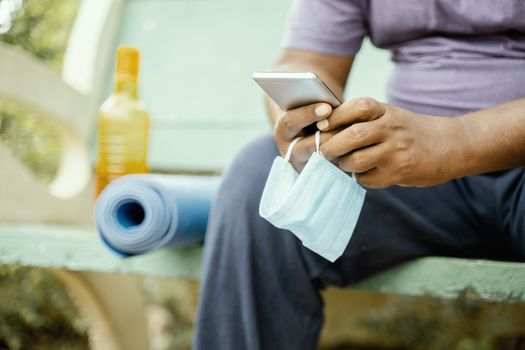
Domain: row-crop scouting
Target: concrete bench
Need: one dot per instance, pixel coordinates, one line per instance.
(194, 54)
(97, 278)
(73, 248)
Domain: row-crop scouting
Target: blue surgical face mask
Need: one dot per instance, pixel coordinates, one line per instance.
(320, 205)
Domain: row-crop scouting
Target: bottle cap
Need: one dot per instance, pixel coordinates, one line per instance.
(128, 60)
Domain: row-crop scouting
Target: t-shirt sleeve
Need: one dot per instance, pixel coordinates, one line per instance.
(334, 27)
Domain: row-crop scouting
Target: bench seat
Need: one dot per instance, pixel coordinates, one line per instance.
(77, 248)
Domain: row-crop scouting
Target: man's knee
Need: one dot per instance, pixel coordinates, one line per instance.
(234, 219)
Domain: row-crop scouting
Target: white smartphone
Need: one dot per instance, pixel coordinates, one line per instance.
(295, 89)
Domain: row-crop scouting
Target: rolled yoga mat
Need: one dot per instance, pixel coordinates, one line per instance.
(138, 213)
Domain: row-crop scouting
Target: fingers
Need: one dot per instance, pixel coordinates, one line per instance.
(374, 179)
(353, 111)
(352, 138)
(363, 160)
(291, 123)
(305, 147)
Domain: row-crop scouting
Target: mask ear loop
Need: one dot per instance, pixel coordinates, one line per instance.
(290, 149)
(317, 141)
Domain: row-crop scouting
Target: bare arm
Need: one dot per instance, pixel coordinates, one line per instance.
(494, 139)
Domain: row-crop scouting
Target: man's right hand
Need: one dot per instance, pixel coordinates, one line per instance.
(333, 70)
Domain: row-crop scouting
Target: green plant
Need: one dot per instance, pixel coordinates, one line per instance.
(32, 140)
(40, 27)
(36, 313)
(466, 323)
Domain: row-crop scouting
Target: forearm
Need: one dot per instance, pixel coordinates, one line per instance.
(272, 109)
(491, 139)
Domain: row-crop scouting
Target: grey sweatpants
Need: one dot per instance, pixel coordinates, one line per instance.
(260, 286)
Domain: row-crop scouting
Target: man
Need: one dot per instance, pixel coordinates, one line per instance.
(437, 185)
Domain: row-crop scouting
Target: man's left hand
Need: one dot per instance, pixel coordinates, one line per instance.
(388, 145)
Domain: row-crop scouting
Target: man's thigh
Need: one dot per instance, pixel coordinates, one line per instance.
(457, 219)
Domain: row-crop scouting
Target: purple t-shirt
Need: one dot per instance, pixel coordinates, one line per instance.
(452, 56)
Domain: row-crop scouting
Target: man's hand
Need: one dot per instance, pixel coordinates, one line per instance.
(290, 124)
(387, 145)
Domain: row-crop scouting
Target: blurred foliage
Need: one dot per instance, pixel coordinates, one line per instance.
(171, 312)
(36, 313)
(42, 28)
(28, 136)
(466, 323)
(169, 327)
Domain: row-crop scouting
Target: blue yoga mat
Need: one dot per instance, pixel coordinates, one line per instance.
(138, 213)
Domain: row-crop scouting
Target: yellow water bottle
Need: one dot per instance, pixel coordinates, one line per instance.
(123, 124)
